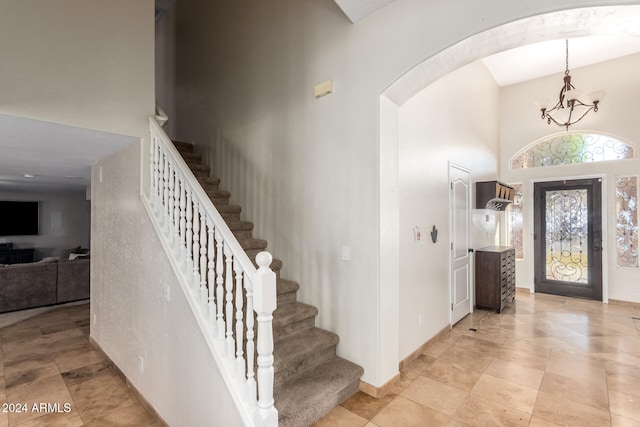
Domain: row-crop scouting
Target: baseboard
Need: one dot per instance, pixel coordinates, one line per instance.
(379, 392)
(624, 303)
(143, 401)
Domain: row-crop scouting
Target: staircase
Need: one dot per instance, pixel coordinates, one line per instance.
(310, 380)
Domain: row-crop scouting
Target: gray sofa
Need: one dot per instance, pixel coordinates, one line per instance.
(43, 283)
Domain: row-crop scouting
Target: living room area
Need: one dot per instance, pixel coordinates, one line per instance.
(44, 247)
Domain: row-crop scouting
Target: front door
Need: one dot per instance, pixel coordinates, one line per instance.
(568, 238)
(460, 188)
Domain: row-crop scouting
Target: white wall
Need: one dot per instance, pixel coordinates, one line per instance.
(78, 62)
(74, 211)
(132, 320)
(615, 117)
(307, 171)
(454, 119)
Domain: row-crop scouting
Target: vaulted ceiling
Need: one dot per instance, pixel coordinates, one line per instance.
(59, 156)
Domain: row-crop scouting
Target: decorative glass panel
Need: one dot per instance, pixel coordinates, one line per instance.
(567, 224)
(627, 225)
(572, 148)
(515, 221)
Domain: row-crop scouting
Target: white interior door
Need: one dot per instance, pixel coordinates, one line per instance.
(460, 220)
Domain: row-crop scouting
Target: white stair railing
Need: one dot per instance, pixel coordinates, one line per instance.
(222, 285)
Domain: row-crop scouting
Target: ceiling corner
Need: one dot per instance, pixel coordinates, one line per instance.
(358, 9)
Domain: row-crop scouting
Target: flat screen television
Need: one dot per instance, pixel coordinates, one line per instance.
(18, 218)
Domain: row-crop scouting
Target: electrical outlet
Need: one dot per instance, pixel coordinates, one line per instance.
(167, 293)
(140, 364)
(95, 319)
(420, 319)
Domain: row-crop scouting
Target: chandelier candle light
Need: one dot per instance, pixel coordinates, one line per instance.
(572, 104)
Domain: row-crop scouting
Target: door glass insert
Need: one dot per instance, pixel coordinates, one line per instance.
(567, 226)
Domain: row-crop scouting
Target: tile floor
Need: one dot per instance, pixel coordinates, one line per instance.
(547, 361)
(50, 375)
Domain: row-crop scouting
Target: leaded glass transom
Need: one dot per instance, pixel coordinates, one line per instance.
(572, 148)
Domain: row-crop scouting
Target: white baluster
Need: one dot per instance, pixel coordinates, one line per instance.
(171, 222)
(228, 256)
(265, 304)
(188, 238)
(152, 168)
(157, 182)
(195, 282)
(204, 291)
(251, 376)
(219, 283)
(165, 199)
(239, 319)
(182, 228)
(211, 280)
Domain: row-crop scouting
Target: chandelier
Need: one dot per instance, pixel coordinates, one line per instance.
(572, 104)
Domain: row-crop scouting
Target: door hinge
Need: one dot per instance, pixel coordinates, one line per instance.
(451, 306)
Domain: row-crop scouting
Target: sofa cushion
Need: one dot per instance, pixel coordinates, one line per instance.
(27, 285)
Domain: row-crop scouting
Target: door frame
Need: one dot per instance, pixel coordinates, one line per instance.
(605, 222)
(472, 294)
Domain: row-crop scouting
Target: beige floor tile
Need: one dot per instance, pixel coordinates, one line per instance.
(625, 405)
(339, 417)
(581, 368)
(97, 391)
(619, 421)
(407, 376)
(28, 371)
(530, 356)
(506, 393)
(480, 412)
(435, 395)
(406, 413)
(568, 413)
(448, 373)
(458, 423)
(478, 345)
(539, 422)
(48, 390)
(135, 415)
(54, 419)
(516, 373)
(626, 381)
(421, 363)
(466, 359)
(577, 391)
(366, 406)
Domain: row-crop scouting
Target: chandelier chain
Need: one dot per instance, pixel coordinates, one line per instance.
(566, 69)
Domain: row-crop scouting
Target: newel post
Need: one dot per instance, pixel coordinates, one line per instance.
(265, 303)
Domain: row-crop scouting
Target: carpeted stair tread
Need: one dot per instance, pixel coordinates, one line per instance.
(209, 180)
(310, 380)
(304, 400)
(290, 354)
(218, 194)
(287, 314)
(239, 225)
(198, 167)
(191, 157)
(285, 286)
(183, 146)
(252, 243)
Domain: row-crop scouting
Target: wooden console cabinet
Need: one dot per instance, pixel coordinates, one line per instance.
(495, 277)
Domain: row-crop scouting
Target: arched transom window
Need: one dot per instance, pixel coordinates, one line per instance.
(572, 148)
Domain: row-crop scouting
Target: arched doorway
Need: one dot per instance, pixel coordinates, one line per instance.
(594, 21)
